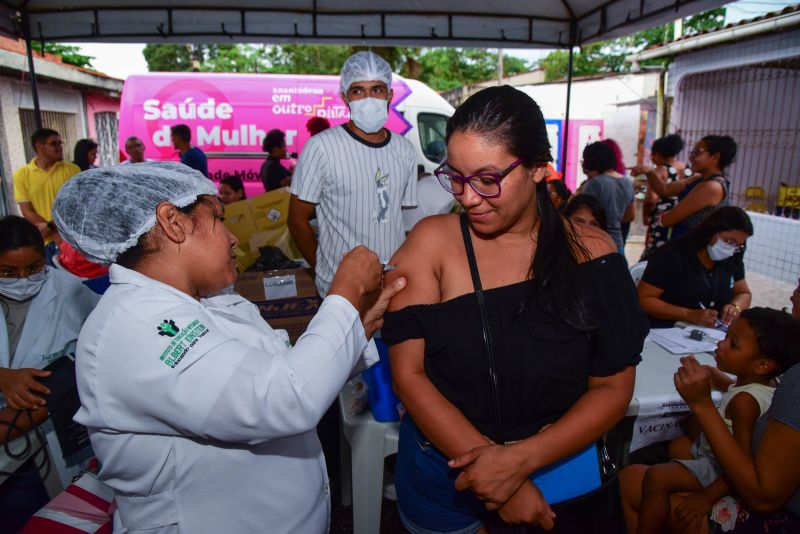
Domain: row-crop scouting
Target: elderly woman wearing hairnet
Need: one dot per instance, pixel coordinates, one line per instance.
(202, 415)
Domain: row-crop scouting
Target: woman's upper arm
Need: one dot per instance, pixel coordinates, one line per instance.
(740, 287)
(777, 466)
(700, 197)
(743, 411)
(417, 261)
(646, 290)
(621, 382)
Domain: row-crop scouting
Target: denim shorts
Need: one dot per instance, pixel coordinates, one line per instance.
(427, 499)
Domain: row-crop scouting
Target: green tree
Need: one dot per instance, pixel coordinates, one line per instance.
(167, 57)
(609, 56)
(441, 68)
(70, 54)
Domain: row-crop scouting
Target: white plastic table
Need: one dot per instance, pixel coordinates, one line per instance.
(654, 376)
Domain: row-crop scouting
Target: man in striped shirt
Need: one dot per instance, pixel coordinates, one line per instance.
(357, 176)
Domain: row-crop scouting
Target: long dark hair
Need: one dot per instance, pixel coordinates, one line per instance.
(508, 117)
(81, 153)
(16, 232)
(721, 220)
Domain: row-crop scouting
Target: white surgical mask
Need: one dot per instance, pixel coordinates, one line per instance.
(721, 250)
(23, 288)
(369, 114)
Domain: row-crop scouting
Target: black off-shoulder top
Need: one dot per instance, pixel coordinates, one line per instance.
(543, 363)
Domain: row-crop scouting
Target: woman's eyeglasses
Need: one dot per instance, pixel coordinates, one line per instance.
(34, 273)
(697, 151)
(486, 184)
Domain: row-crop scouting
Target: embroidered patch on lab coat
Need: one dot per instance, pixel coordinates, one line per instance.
(183, 339)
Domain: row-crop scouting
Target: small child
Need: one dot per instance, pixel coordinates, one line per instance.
(756, 349)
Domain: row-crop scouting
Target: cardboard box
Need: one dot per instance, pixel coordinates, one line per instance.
(270, 210)
(261, 221)
(287, 299)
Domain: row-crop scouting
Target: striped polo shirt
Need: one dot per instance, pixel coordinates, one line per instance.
(359, 188)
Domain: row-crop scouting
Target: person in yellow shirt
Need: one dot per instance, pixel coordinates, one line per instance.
(37, 183)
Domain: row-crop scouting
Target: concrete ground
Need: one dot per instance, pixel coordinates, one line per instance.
(767, 292)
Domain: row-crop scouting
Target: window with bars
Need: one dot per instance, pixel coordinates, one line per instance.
(63, 123)
(106, 126)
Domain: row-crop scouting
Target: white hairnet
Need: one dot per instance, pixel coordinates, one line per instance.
(364, 67)
(103, 212)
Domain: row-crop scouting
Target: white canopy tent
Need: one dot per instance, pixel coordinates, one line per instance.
(430, 23)
(463, 23)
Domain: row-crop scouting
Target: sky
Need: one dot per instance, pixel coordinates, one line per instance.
(122, 60)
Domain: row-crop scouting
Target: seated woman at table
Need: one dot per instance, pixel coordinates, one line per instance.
(760, 345)
(699, 279)
(586, 209)
(709, 158)
(565, 348)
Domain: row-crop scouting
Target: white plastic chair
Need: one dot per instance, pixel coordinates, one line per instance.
(370, 441)
(637, 271)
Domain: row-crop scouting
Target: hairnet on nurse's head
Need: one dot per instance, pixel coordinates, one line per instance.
(103, 212)
(365, 67)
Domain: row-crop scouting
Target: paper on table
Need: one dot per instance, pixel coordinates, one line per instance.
(677, 341)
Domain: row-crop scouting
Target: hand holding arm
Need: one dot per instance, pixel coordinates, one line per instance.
(527, 506)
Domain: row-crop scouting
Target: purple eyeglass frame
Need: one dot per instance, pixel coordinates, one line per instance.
(496, 176)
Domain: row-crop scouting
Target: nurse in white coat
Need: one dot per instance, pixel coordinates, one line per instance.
(202, 415)
(44, 310)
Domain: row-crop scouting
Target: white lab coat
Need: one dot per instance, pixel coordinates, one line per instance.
(51, 329)
(54, 320)
(211, 429)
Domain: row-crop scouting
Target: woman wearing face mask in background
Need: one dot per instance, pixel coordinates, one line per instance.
(44, 310)
(700, 277)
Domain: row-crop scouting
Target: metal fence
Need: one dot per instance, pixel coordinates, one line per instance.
(759, 106)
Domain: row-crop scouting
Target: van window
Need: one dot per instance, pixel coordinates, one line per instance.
(432, 128)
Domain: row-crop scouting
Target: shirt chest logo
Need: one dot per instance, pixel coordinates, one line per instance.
(381, 213)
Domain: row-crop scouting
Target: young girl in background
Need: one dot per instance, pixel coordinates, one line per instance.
(759, 346)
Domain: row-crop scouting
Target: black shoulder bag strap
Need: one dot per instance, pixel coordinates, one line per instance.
(487, 333)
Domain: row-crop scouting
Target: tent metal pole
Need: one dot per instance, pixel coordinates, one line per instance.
(566, 114)
(26, 28)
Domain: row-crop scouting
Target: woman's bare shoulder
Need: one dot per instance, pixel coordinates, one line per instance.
(431, 232)
(595, 241)
(419, 260)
